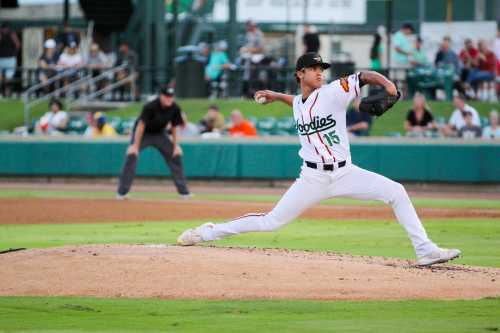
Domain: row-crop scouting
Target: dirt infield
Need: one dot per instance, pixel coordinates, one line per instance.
(35, 211)
(174, 272)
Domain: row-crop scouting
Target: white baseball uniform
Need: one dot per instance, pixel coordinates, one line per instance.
(321, 125)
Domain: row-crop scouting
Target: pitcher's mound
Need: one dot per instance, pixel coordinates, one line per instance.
(233, 273)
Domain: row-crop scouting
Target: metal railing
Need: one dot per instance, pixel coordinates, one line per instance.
(77, 91)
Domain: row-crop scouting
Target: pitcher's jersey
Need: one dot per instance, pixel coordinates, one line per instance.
(321, 121)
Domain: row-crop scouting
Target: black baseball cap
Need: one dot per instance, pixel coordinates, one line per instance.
(167, 91)
(310, 59)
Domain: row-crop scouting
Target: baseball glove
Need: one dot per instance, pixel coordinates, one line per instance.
(378, 103)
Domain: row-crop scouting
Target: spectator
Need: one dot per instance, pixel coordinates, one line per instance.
(457, 119)
(126, 57)
(67, 37)
(215, 67)
(402, 46)
(310, 39)
(99, 127)
(187, 128)
(9, 48)
(469, 130)
(251, 55)
(446, 56)
(240, 126)
(213, 121)
(484, 76)
(47, 63)
(469, 57)
(254, 39)
(97, 62)
(55, 121)
(493, 130)
(358, 123)
(376, 52)
(419, 120)
(70, 61)
(418, 57)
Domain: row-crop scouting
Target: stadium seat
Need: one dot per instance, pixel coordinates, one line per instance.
(285, 126)
(115, 122)
(484, 121)
(266, 126)
(76, 125)
(126, 126)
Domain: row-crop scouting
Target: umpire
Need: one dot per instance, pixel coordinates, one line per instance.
(157, 127)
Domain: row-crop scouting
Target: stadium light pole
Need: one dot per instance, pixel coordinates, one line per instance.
(232, 29)
(306, 5)
(287, 29)
(66, 12)
(388, 15)
(421, 14)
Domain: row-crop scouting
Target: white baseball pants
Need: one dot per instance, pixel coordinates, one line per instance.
(315, 185)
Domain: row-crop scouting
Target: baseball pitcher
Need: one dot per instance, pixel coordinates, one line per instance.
(327, 171)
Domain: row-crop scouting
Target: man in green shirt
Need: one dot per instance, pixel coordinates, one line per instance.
(403, 49)
(418, 57)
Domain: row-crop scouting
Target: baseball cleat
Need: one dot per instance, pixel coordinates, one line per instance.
(186, 196)
(121, 196)
(438, 256)
(192, 236)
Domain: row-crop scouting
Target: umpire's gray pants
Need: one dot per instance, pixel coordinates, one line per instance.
(163, 144)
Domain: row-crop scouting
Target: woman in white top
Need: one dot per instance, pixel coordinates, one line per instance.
(55, 121)
(70, 61)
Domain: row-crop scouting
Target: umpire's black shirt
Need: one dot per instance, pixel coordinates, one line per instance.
(156, 117)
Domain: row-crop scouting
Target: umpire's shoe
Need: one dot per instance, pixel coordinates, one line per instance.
(193, 236)
(438, 256)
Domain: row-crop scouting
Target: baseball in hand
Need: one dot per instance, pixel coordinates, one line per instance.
(260, 99)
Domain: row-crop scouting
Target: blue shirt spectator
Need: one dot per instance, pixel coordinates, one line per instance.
(447, 57)
(218, 61)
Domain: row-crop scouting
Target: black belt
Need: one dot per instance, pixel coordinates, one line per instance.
(326, 167)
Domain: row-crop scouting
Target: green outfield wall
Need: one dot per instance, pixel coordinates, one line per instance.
(422, 162)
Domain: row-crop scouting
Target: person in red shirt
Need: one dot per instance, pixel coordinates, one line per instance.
(241, 126)
(484, 76)
(469, 56)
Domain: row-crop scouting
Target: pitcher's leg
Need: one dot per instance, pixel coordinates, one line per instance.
(304, 193)
(365, 185)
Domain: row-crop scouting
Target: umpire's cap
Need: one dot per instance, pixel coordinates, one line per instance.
(167, 91)
(310, 59)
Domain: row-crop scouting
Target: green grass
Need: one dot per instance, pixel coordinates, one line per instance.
(479, 239)
(391, 121)
(11, 112)
(63, 314)
(418, 202)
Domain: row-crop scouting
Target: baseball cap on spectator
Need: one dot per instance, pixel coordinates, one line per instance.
(49, 44)
(72, 44)
(167, 91)
(99, 118)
